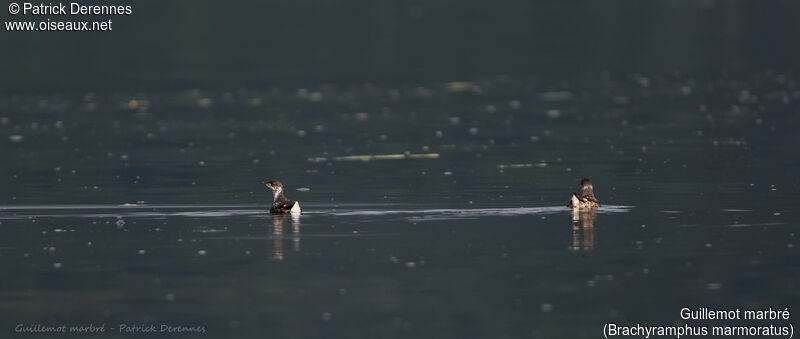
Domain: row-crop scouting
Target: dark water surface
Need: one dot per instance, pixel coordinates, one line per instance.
(146, 208)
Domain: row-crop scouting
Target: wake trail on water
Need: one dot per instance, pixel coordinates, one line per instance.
(219, 211)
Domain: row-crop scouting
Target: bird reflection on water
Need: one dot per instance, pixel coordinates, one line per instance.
(278, 226)
(583, 229)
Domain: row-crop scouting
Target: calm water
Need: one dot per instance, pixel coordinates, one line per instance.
(433, 147)
(146, 208)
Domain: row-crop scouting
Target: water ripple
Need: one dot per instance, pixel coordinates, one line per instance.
(218, 211)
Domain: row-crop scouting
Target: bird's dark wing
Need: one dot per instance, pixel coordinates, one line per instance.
(287, 204)
(283, 206)
(588, 198)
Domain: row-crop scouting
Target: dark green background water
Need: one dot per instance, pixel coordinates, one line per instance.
(684, 114)
(180, 44)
